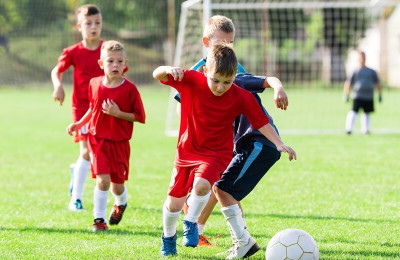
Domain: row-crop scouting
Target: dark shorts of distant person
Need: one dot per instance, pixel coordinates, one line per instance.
(247, 168)
(366, 105)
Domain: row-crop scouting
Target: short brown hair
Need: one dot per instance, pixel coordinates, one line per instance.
(218, 22)
(112, 46)
(86, 10)
(223, 58)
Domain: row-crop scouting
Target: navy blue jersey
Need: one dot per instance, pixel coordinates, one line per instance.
(243, 132)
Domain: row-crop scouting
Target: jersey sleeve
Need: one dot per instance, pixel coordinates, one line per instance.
(65, 60)
(376, 77)
(249, 82)
(138, 108)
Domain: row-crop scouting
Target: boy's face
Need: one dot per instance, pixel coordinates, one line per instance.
(113, 63)
(219, 36)
(90, 26)
(217, 83)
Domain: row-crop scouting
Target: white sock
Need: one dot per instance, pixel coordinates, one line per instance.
(200, 227)
(169, 222)
(121, 199)
(196, 205)
(81, 170)
(100, 203)
(233, 216)
(365, 122)
(350, 120)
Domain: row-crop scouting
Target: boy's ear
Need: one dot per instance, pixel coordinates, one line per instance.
(100, 62)
(205, 70)
(206, 42)
(79, 27)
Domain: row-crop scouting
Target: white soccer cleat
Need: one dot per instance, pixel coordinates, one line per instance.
(243, 251)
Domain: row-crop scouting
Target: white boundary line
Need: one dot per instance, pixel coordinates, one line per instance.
(334, 131)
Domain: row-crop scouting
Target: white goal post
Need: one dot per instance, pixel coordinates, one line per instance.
(303, 43)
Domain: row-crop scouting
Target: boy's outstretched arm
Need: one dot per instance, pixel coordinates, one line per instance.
(162, 72)
(269, 132)
(280, 97)
(56, 78)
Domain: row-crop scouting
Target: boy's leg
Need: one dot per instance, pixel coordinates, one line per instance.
(201, 222)
(245, 245)
(100, 202)
(81, 170)
(171, 211)
(196, 203)
(350, 121)
(120, 194)
(365, 123)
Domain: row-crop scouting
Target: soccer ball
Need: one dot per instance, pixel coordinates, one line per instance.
(292, 244)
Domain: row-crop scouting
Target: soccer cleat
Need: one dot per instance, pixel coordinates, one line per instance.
(243, 251)
(203, 241)
(71, 182)
(116, 214)
(168, 245)
(99, 225)
(75, 205)
(190, 234)
(227, 252)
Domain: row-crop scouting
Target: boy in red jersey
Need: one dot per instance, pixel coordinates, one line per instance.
(115, 103)
(83, 56)
(209, 104)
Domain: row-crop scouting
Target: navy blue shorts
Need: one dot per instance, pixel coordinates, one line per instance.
(366, 105)
(247, 168)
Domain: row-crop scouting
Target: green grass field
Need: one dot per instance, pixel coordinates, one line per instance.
(343, 190)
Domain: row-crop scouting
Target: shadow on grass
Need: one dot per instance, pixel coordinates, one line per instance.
(313, 217)
(352, 254)
(109, 232)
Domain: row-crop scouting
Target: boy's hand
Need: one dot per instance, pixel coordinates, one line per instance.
(72, 128)
(110, 108)
(280, 98)
(287, 149)
(175, 72)
(346, 98)
(59, 94)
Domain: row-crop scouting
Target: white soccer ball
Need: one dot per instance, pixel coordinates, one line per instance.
(293, 244)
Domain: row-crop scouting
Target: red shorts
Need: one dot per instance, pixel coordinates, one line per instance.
(182, 178)
(81, 134)
(109, 157)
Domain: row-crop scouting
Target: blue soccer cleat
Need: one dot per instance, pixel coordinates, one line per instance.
(168, 245)
(190, 234)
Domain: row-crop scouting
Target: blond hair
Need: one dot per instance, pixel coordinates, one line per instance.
(86, 10)
(112, 46)
(218, 23)
(222, 59)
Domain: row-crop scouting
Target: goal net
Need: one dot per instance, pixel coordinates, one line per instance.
(306, 44)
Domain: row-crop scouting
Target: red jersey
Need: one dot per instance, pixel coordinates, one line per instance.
(128, 100)
(206, 133)
(86, 67)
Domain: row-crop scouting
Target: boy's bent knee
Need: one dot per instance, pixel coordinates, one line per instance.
(201, 187)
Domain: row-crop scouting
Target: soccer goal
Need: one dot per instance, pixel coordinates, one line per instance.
(303, 43)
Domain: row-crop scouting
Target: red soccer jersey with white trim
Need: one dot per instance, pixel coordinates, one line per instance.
(128, 100)
(206, 134)
(85, 63)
